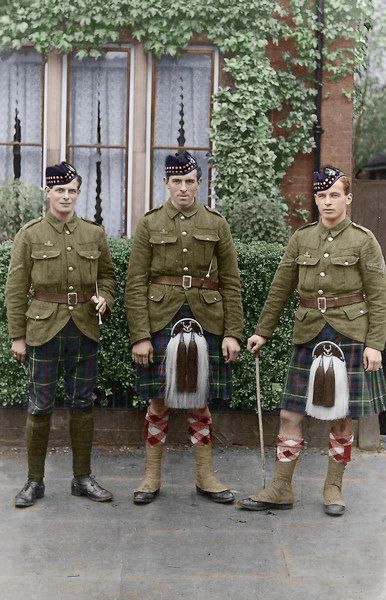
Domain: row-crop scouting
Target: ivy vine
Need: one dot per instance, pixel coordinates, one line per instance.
(251, 154)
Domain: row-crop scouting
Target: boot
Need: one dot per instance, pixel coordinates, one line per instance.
(279, 494)
(332, 492)
(37, 433)
(29, 494)
(151, 483)
(206, 482)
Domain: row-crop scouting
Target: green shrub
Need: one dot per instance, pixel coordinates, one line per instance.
(19, 203)
(257, 261)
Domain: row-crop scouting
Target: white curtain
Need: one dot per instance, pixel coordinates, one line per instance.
(104, 80)
(21, 90)
(191, 76)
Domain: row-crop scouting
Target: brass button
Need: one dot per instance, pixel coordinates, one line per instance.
(68, 232)
(322, 274)
(326, 255)
(162, 241)
(345, 262)
(69, 248)
(70, 287)
(44, 255)
(186, 269)
(330, 238)
(70, 268)
(37, 317)
(151, 297)
(183, 233)
(184, 249)
(361, 311)
(70, 308)
(304, 262)
(91, 256)
(320, 291)
(182, 217)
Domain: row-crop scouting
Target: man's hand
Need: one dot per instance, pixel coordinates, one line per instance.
(255, 342)
(19, 349)
(372, 359)
(230, 349)
(101, 304)
(142, 352)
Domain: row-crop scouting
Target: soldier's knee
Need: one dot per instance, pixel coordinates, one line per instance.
(158, 407)
(290, 419)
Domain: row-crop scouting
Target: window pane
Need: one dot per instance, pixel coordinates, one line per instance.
(98, 115)
(160, 192)
(189, 76)
(112, 182)
(21, 109)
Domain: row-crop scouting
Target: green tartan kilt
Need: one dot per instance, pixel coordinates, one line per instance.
(367, 390)
(150, 381)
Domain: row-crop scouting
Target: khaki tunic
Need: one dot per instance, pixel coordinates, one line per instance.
(55, 257)
(325, 263)
(195, 241)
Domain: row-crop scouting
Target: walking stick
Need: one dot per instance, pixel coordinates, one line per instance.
(260, 418)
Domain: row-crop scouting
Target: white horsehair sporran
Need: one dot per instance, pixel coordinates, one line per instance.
(328, 390)
(187, 366)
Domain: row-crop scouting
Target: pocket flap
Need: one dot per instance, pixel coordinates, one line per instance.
(156, 292)
(211, 296)
(162, 239)
(39, 310)
(353, 311)
(301, 312)
(89, 254)
(307, 260)
(345, 261)
(206, 237)
(44, 254)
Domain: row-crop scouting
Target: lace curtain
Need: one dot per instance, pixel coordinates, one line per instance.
(21, 106)
(182, 84)
(98, 114)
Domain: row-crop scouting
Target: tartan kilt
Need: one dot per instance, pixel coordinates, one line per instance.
(150, 381)
(367, 390)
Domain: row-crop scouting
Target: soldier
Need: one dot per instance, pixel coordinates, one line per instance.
(63, 263)
(338, 269)
(183, 265)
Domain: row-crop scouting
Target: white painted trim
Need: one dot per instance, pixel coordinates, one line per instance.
(45, 124)
(216, 78)
(63, 116)
(149, 92)
(130, 148)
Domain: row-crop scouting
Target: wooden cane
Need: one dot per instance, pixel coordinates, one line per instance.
(260, 418)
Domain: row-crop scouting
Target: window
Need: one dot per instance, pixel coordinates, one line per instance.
(183, 88)
(21, 116)
(97, 135)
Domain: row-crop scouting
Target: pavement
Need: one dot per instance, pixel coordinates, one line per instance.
(183, 545)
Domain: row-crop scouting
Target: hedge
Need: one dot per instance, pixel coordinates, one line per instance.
(257, 262)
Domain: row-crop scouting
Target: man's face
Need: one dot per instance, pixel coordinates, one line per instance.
(62, 199)
(332, 204)
(183, 189)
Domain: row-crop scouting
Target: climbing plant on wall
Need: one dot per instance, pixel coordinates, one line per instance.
(251, 153)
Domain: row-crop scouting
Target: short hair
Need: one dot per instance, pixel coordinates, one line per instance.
(346, 184)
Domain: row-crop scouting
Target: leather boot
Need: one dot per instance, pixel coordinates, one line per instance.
(29, 494)
(334, 504)
(206, 482)
(279, 494)
(37, 433)
(151, 483)
(89, 487)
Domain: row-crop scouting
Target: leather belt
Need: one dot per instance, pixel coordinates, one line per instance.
(322, 303)
(186, 281)
(72, 298)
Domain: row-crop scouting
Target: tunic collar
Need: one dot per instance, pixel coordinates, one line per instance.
(59, 225)
(324, 232)
(187, 212)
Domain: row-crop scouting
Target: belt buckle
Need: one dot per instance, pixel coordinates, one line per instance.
(322, 304)
(186, 282)
(72, 298)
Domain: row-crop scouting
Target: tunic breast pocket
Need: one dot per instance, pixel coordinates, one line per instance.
(164, 252)
(203, 247)
(87, 264)
(308, 271)
(46, 267)
(346, 271)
